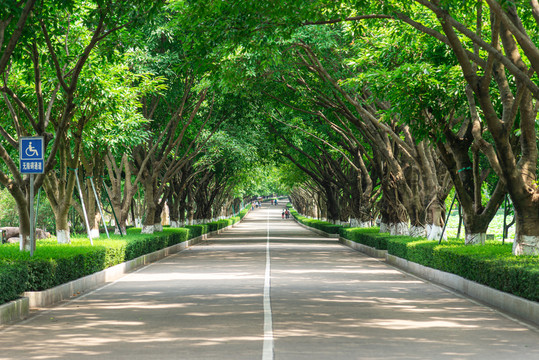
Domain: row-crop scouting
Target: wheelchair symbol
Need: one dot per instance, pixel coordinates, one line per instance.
(30, 150)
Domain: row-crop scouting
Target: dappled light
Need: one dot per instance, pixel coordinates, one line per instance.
(327, 301)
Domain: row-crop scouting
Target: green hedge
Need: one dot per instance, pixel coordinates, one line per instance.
(317, 224)
(367, 236)
(221, 224)
(492, 264)
(244, 212)
(13, 278)
(197, 230)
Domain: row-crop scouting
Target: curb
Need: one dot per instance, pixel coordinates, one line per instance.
(372, 252)
(45, 298)
(14, 310)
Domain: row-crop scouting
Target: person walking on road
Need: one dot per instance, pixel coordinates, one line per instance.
(282, 215)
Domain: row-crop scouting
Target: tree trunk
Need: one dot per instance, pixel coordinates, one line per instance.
(148, 226)
(61, 215)
(157, 221)
(24, 226)
(526, 228)
(435, 218)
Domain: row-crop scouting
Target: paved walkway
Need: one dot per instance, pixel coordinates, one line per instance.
(298, 296)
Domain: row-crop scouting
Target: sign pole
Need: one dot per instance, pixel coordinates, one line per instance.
(31, 161)
(37, 208)
(32, 229)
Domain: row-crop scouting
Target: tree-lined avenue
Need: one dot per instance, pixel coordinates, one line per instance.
(327, 302)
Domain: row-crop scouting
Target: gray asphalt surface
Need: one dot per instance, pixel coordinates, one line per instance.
(327, 302)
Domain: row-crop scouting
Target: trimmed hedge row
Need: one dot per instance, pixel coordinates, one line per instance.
(366, 236)
(317, 224)
(492, 264)
(55, 264)
(13, 277)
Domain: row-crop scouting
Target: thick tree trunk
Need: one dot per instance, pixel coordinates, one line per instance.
(61, 215)
(24, 226)
(435, 219)
(527, 230)
(397, 216)
(157, 221)
(148, 227)
(333, 212)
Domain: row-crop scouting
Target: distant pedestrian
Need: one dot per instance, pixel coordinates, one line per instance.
(287, 213)
(282, 215)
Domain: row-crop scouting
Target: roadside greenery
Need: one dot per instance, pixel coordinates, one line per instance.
(492, 265)
(362, 112)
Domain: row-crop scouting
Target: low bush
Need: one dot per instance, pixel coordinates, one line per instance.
(315, 223)
(492, 264)
(220, 224)
(244, 212)
(367, 236)
(197, 230)
(13, 279)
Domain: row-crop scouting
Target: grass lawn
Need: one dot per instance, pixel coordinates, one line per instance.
(495, 227)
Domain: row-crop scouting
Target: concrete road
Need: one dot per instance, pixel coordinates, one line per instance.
(269, 289)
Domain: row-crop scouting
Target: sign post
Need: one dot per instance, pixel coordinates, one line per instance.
(31, 161)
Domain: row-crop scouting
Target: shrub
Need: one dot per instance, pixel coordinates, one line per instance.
(244, 211)
(197, 230)
(367, 236)
(317, 224)
(13, 279)
(492, 265)
(176, 235)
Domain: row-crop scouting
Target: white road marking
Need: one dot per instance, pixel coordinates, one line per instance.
(268, 320)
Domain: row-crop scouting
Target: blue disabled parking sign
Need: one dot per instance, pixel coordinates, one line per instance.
(31, 159)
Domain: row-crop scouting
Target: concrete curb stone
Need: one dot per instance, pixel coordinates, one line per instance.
(14, 310)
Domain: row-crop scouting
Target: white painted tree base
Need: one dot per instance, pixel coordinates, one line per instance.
(475, 239)
(24, 248)
(417, 231)
(399, 229)
(526, 245)
(158, 227)
(63, 237)
(384, 228)
(117, 231)
(147, 229)
(355, 223)
(175, 224)
(138, 222)
(94, 233)
(434, 232)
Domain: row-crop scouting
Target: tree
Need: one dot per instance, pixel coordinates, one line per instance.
(502, 93)
(44, 74)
